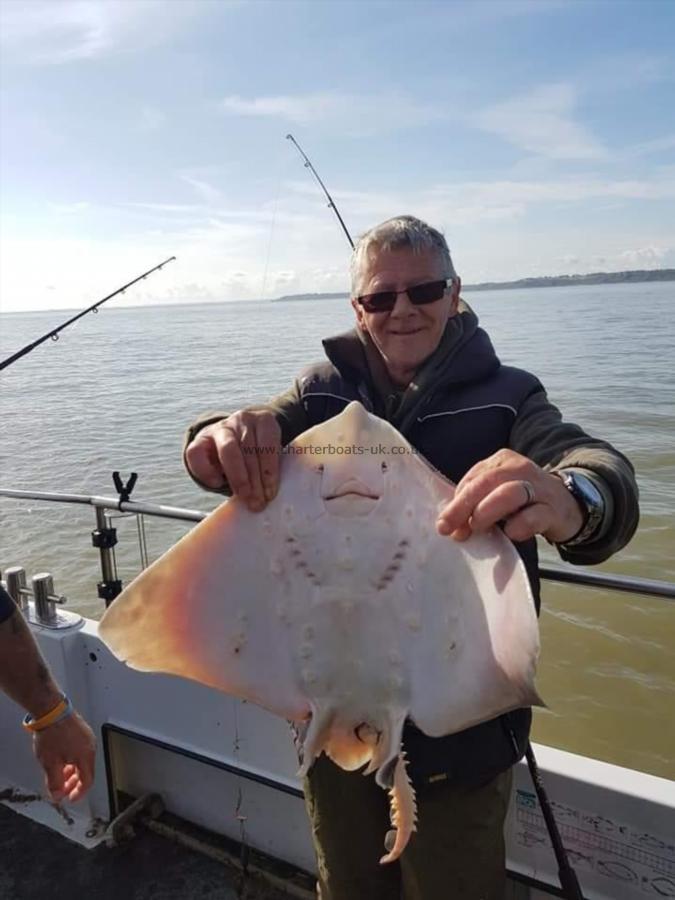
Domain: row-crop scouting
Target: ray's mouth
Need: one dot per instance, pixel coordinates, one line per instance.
(352, 494)
(352, 488)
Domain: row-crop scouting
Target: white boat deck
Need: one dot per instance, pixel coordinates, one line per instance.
(230, 768)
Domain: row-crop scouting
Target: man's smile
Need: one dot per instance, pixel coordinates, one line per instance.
(399, 332)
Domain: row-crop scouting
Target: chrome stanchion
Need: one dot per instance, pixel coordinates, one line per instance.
(17, 590)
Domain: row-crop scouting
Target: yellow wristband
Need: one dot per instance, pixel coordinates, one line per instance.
(31, 724)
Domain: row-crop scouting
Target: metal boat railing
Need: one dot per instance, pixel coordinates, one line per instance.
(104, 539)
(107, 508)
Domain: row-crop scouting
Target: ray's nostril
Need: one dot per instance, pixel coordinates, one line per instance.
(362, 732)
(367, 734)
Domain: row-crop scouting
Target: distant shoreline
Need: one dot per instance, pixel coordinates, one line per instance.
(631, 277)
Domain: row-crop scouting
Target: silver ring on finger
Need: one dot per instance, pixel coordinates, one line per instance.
(531, 496)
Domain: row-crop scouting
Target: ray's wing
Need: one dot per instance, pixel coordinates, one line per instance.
(204, 610)
(475, 654)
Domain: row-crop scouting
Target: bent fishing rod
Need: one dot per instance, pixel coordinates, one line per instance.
(331, 202)
(54, 333)
(568, 878)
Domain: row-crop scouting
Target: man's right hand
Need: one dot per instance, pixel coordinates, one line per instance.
(243, 450)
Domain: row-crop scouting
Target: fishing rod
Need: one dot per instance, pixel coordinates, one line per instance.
(566, 874)
(331, 202)
(54, 333)
(568, 878)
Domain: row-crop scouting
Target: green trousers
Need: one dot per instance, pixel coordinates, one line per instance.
(457, 852)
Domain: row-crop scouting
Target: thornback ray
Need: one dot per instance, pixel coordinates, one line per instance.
(340, 605)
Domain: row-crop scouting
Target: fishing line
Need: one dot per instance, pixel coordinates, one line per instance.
(238, 814)
(54, 333)
(269, 243)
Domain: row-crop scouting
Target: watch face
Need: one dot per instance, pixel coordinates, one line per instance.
(587, 492)
(590, 498)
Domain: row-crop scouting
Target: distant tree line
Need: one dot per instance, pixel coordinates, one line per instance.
(633, 276)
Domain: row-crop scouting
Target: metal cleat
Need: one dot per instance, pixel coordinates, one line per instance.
(122, 827)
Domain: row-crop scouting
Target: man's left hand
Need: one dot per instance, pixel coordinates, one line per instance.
(510, 489)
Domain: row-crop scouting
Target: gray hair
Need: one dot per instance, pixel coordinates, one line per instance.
(395, 234)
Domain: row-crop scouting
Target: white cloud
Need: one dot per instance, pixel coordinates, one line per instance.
(68, 209)
(207, 192)
(656, 145)
(612, 73)
(466, 16)
(351, 114)
(570, 260)
(647, 69)
(184, 209)
(542, 122)
(231, 253)
(151, 119)
(523, 194)
(467, 203)
(646, 257)
(56, 32)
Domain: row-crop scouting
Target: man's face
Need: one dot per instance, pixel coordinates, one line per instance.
(409, 334)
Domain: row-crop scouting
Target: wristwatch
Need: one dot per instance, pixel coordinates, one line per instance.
(589, 498)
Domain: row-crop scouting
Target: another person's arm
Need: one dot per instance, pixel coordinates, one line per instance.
(65, 749)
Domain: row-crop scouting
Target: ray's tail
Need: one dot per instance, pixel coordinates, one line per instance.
(403, 812)
(351, 747)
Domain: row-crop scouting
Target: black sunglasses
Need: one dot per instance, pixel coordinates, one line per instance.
(419, 295)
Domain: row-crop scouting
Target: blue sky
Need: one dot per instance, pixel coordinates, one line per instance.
(539, 136)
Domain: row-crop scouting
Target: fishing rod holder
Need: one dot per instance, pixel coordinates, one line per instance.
(104, 538)
(42, 611)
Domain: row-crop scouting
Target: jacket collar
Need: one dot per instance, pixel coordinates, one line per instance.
(464, 354)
